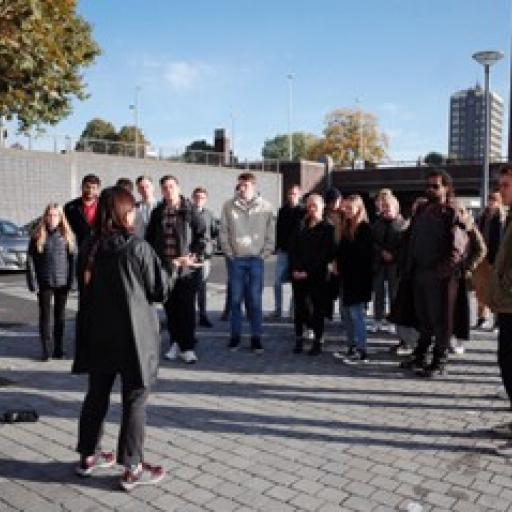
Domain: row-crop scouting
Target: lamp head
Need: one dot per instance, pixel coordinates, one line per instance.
(488, 58)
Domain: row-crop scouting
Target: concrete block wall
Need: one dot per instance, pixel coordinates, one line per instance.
(29, 180)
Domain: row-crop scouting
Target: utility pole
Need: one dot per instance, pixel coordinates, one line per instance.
(290, 77)
(135, 108)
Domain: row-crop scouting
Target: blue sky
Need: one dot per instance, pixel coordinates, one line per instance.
(200, 62)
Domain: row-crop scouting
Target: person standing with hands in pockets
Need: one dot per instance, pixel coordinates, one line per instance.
(50, 273)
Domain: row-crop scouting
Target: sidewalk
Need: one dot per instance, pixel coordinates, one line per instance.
(276, 432)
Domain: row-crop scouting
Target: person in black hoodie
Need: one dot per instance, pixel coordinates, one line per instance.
(176, 229)
(289, 217)
(50, 273)
(312, 248)
(119, 277)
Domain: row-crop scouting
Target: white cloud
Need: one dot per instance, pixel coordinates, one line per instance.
(183, 75)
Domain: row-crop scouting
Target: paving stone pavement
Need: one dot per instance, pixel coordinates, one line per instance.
(275, 432)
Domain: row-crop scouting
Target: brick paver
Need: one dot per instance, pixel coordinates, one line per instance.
(272, 432)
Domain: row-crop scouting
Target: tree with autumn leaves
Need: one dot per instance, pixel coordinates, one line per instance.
(349, 134)
(44, 46)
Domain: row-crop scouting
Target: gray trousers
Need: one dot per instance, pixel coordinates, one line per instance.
(201, 291)
(385, 280)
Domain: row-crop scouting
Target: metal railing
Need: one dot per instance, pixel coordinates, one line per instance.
(393, 164)
(66, 144)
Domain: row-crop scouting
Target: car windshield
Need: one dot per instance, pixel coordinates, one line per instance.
(9, 229)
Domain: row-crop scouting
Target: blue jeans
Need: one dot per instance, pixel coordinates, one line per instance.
(355, 325)
(282, 268)
(246, 278)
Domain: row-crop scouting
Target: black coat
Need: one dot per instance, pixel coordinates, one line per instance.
(312, 249)
(211, 230)
(117, 327)
(495, 233)
(74, 211)
(190, 227)
(387, 236)
(288, 221)
(54, 267)
(355, 262)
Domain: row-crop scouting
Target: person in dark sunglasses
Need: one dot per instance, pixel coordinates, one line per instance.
(435, 264)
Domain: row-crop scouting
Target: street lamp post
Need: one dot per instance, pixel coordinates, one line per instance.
(486, 59)
(232, 116)
(361, 139)
(290, 77)
(135, 108)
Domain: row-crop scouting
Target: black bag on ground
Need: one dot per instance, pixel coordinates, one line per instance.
(20, 416)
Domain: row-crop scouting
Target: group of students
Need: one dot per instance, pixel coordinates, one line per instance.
(417, 272)
(132, 255)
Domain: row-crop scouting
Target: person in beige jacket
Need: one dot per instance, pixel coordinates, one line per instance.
(500, 295)
(247, 235)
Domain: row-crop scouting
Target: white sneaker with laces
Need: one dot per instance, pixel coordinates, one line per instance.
(458, 350)
(172, 353)
(189, 357)
(488, 325)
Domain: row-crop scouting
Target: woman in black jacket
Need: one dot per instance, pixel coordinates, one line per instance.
(119, 277)
(50, 273)
(311, 250)
(355, 264)
(491, 225)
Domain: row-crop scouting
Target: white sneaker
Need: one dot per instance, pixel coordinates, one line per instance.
(374, 326)
(488, 325)
(309, 334)
(173, 352)
(189, 357)
(458, 350)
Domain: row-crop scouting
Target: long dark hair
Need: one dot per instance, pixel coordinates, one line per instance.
(113, 205)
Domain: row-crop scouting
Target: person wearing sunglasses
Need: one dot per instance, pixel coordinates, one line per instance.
(438, 242)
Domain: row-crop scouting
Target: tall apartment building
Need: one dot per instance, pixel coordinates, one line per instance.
(467, 125)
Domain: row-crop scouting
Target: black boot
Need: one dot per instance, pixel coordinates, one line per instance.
(234, 343)
(58, 351)
(414, 363)
(433, 370)
(299, 345)
(316, 348)
(436, 368)
(256, 346)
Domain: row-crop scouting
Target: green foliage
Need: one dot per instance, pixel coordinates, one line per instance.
(44, 45)
(434, 158)
(197, 152)
(100, 136)
(127, 135)
(95, 133)
(278, 147)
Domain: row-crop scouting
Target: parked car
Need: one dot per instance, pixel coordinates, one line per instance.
(13, 246)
